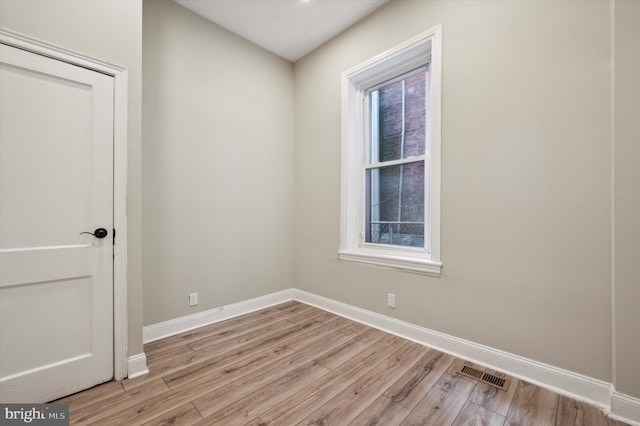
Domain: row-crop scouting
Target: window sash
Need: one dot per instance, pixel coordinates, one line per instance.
(366, 109)
(365, 218)
(367, 165)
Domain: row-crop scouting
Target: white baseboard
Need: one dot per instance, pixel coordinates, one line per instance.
(625, 408)
(620, 406)
(189, 322)
(137, 365)
(561, 381)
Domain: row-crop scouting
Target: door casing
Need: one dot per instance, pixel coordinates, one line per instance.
(120, 76)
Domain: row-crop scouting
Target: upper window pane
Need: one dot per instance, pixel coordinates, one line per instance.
(397, 119)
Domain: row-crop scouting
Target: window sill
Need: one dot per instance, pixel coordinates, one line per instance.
(422, 266)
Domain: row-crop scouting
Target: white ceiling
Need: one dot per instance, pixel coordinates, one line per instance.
(288, 28)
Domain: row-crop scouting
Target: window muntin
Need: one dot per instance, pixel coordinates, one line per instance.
(396, 142)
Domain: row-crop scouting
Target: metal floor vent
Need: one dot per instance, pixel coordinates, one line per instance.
(495, 379)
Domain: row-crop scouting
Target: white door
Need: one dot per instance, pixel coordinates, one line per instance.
(56, 181)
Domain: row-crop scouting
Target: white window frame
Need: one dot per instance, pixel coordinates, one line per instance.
(425, 48)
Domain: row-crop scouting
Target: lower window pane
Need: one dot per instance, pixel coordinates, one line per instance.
(395, 205)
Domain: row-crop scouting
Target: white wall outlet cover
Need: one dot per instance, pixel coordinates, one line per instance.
(193, 299)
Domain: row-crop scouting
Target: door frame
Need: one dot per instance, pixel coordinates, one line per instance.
(120, 76)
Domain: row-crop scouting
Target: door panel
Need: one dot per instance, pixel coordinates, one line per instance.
(54, 101)
(48, 345)
(56, 180)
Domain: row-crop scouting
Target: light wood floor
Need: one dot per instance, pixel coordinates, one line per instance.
(294, 364)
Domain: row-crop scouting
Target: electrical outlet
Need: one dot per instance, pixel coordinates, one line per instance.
(193, 299)
(391, 300)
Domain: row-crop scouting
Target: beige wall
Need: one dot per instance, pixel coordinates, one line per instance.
(218, 165)
(627, 199)
(110, 30)
(526, 183)
(527, 169)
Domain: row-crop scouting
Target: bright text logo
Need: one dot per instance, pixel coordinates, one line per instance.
(36, 414)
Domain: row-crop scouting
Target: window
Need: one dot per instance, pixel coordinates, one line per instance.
(396, 123)
(391, 158)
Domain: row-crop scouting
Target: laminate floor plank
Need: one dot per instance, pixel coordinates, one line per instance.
(219, 398)
(171, 366)
(442, 403)
(159, 357)
(260, 333)
(289, 304)
(294, 364)
(383, 411)
(411, 388)
(215, 375)
(336, 327)
(533, 405)
(302, 314)
(159, 405)
(352, 401)
(476, 415)
(493, 398)
(232, 360)
(219, 329)
(614, 422)
(409, 355)
(256, 422)
(148, 409)
(98, 411)
(485, 395)
(300, 329)
(245, 408)
(335, 357)
(93, 395)
(184, 415)
(298, 406)
(357, 328)
(293, 308)
(576, 413)
(244, 333)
